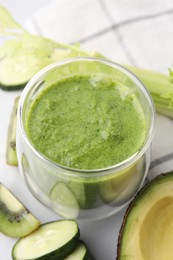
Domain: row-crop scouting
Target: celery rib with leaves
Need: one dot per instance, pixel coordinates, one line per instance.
(24, 54)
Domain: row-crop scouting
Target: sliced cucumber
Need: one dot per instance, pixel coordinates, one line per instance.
(86, 194)
(21, 58)
(11, 157)
(15, 219)
(15, 71)
(92, 198)
(80, 253)
(12, 87)
(120, 187)
(52, 241)
(79, 190)
(64, 200)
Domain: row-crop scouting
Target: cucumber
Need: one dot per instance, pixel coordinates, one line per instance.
(120, 187)
(20, 60)
(79, 191)
(52, 241)
(64, 200)
(85, 193)
(80, 253)
(11, 157)
(15, 218)
(12, 87)
(14, 71)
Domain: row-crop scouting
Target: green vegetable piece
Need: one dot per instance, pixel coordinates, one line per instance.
(160, 87)
(54, 240)
(8, 26)
(64, 201)
(122, 185)
(26, 54)
(79, 191)
(15, 219)
(11, 156)
(80, 253)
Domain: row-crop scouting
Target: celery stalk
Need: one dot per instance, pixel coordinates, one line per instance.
(33, 52)
(160, 87)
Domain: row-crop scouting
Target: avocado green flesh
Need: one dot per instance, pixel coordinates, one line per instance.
(148, 226)
(86, 123)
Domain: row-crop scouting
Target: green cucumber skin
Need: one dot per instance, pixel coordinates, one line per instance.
(58, 254)
(12, 87)
(87, 255)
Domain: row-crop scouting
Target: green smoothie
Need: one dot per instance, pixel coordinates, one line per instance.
(86, 123)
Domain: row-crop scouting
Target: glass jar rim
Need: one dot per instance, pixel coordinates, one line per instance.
(117, 167)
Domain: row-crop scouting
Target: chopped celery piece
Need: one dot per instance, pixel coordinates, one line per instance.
(160, 87)
(25, 54)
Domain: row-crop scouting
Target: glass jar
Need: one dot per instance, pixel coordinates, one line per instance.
(75, 193)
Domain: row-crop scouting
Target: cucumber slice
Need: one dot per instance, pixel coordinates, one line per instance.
(79, 191)
(54, 240)
(65, 202)
(120, 187)
(21, 58)
(80, 253)
(15, 219)
(11, 157)
(86, 194)
(12, 87)
(14, 71)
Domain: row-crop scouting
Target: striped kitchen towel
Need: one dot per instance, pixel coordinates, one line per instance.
(128, 32)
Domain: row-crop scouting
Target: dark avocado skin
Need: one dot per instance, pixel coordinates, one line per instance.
(140, 194)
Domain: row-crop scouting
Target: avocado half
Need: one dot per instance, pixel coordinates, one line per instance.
(147, 229)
